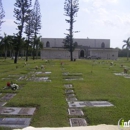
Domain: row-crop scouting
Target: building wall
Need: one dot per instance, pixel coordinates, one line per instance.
(93, 43)
(105, 53)
(58, 53)
(53, 49)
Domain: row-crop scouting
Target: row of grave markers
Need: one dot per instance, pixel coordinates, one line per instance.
(75, 105)
(32, 77)
(12, 111)
(70, 97)
(18, 111)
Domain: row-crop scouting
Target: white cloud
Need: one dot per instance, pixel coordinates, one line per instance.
(104, 16)
(99, 3)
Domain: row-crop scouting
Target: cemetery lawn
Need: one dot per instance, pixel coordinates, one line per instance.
(99, 83)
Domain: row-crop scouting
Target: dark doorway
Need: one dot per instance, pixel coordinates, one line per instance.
(82, 53)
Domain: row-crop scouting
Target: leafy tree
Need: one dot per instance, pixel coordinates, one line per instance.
(2, 14)
(127, 45)
(39, 45)
(71, 8)
(36, 23)
(6, 44)
(66, 43)
(21, 11)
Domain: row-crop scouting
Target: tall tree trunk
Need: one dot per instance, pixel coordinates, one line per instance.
(36, 51)
(5, 54)
(71, 35)
(27, 51)
(16, 55)
(33, 53)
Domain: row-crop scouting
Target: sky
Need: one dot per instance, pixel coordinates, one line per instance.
(96, 19)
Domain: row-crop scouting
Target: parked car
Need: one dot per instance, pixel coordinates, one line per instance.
(93, 57)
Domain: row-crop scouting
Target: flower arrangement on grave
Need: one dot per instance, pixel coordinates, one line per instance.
(42, 66)
(125, 70)
(11, 86)
(111, 63)
(121, 65)
(36, 67)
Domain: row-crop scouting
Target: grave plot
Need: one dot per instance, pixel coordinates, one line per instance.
(67, 86)
(70, 95)
(7, 97)
(101, 104)
(120, 74)
(72, 78)
(40, 72)
(71, 74)
(69, 91)
(77, 122)
(77, 104)
(2, 103)
(16, 111)
(13, 76)
(69, 99)
(15, 122)
(75, 112)
(22, 78)
(123, 74)
(45, 79)
(5, 78)
(80, 104)
(47, 72)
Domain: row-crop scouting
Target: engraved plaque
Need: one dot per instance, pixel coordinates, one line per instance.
(75, 112)
(15, 122)
(77, 122)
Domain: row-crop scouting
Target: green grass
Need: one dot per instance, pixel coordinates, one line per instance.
(49, 97)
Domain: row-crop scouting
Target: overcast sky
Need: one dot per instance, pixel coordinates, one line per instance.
(96, 19)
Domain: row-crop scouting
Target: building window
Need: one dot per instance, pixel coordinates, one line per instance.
(103, 45)
(47, 44)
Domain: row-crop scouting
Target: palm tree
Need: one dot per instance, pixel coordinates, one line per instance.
(127, 45)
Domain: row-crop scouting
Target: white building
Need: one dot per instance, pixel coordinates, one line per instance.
(53, 48)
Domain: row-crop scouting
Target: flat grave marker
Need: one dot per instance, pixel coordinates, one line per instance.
(77, 122)
(77, 104)
(69, 91)
(16, 111)
(101, 104)
(70, 95)
(45, 79)
(68, 99)
(38, 73)
(47, 72)
(7, 97)
(67, 86)
(2, 103)
(75, 112)
(15, 122)
(6, 78)
(80, 104)
(71, 74)
(70, 79)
